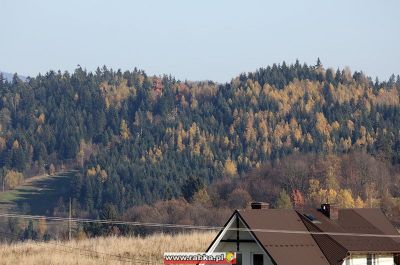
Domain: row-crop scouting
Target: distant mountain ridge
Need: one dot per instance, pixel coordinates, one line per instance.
(9, 76)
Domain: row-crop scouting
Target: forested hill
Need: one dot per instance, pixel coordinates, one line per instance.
(139, 138)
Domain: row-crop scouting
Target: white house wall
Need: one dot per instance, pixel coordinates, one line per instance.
(385, 260)
(362, 260)
(357, 260)
(246, 248)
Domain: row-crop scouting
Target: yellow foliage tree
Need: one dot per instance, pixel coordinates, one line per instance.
(359, 203)
(41, 118)
(2, 143)
(309, 139)
(263, 129)
(196, 149)
(322, 124)
(345, 199)
(201, 196)
(350, 125)
(193, 104)
(103, 175)
(12, 179)
(179, 144)
(283, 201)
(230, 168)
(331, 196)
(91, 172)
(124, 130)
(15, 145)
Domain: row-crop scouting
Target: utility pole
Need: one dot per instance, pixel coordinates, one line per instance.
(69, 220)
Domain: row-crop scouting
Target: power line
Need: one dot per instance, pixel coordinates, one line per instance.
(115, 222)
(193, 227)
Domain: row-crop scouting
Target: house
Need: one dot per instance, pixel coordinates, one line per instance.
(326, 236)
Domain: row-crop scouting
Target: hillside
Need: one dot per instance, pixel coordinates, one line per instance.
(37, 195)
(110, 250)
(138, 139)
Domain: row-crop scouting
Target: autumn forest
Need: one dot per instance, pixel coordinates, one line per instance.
(153, 148)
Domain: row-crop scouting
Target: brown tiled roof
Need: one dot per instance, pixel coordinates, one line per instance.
(307, 249)
(284, 249)
(333, 251)
(354, 221)
(358, 221)
(378, 219)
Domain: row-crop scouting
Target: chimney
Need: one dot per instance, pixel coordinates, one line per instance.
(330, 210)
(259, 205)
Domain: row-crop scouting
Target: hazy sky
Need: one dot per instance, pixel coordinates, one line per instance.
(196, 40)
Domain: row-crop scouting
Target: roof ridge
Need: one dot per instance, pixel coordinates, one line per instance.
(374, 226)
(320, 230)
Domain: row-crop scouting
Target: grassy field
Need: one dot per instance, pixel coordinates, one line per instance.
(111, 250)
(38, 195)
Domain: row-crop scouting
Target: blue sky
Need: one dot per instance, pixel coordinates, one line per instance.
(197, 40)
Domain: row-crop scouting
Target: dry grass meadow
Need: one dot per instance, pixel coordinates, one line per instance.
(110, 250)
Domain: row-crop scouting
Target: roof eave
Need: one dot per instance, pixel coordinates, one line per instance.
(374, 251)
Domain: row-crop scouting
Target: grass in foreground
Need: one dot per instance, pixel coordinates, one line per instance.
(116, 250)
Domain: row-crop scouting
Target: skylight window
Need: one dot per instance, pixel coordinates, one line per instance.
(312, 218)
